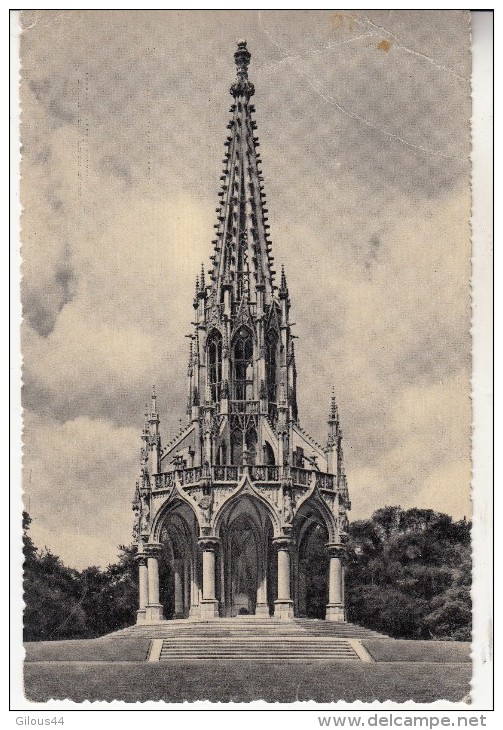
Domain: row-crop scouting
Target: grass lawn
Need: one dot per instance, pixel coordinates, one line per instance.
(132, 649)
(401, 650)
(245, 681)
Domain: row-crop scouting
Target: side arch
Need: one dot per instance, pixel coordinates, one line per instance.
(178, 499)
(317, 505)
(313, 526)
(176, 529)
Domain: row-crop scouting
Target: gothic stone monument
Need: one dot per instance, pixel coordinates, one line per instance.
(242, 512)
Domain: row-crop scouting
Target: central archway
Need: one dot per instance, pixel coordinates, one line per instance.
(247, 558)
(243, 555)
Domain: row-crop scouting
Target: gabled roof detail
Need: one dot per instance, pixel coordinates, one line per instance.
(272, 321)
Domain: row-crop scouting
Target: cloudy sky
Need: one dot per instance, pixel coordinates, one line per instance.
(363, 119)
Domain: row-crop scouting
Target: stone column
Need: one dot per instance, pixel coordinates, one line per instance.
(209, 603)
(178, 581)
(262, 609)
(283, 606)
(335, 606)
(194, 590)
(143, 587)
(153, 612)
(186, 587)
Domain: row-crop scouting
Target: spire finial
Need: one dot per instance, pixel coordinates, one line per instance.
(201, 280)
(242, 58)
(242, 87)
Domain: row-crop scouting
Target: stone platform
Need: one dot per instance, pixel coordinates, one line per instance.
(253, 638)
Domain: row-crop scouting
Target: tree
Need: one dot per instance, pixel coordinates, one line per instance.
(63, 603)
(409, 574)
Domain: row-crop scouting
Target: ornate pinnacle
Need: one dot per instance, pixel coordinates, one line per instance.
(334, 413)
(145, 431)
(242, 87)
(154, 415)
(202, 285)
(333, 422)
(283, 289)
(196, 294)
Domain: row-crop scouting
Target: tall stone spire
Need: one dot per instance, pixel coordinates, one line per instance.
(242, 257)
(243, 452)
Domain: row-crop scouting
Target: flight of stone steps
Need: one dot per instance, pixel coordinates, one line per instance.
(253, 638)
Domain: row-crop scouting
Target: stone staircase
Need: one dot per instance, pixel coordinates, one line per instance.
(253, 638)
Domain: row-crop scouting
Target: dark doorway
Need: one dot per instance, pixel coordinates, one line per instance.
(243, 557)
(313, 572)
(175, 568)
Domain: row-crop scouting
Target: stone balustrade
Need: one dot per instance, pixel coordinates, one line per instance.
(262, 473)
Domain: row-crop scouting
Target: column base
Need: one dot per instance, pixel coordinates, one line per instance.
(335, 613)
(208, 608)
(140, 616)
(194, 613)
(153, 613)
(283, 609)
(261, 609)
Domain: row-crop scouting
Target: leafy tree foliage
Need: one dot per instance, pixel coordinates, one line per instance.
(409, 574)
(63, 603)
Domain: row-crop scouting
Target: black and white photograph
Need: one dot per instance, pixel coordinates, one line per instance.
(246, 263)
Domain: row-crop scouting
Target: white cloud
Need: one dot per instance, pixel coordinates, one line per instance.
(79, 480)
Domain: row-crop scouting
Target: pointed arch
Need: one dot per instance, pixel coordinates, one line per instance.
(269, 457)
(214, 364)
(176, 529)
(242, 363)
(271, 362)
(251, 444)
(257, 502)
(316, 506)
(177, 503)
(236, 446)
(311, 569)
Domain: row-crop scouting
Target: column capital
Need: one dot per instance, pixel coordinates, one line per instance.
(151, 550)
(283, 542)
(208, 543)
(141, 558)
(335, 550)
